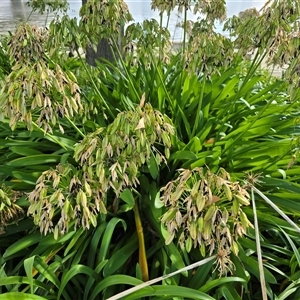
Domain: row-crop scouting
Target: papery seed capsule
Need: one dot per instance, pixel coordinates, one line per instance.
(169, 215)
(167, 152)
(170, 238)
(193, 230)
(86, 212)
(178, 218)
(142, 139)
(202, 250)
(200, 223)
(142, 157)
(242, 199)
(235, 248)
(102, 207)
(195, 189)
(188, 244)
(66, 207)
(244, 219)
(225, 216)
(206, 233)
(210, 213)
(227, 191)
(88, 189)
(235, 206)
(82, 198)
(200, 201)
(93, 220)
(56, 233)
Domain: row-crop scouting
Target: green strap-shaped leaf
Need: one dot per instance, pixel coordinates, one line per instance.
(74, 270)
(214, 283)
(171, 291)
(108, 235)
(20, 296)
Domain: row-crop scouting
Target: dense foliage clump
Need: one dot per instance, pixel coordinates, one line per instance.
(181, 161)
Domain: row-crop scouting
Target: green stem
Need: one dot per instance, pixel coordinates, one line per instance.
(27, 20)
(184, 40)
(74, 126)
(258, 249)
(94, 84)
(125, 69)
(50, 136)
(184, 31)
(47, 15)
(159, 36)
(198, 115)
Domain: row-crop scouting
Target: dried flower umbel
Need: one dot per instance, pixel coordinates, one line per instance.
(9, 211)
(114, 155)
(207, 50)
(48, 6)
(274, 33)
(212, 9)
(65, 197)
(147, 41)
(35, 88)
(103, 19)
(205, 211)
(110, 161)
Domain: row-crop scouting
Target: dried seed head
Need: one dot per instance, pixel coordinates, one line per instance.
(209, 225)
(76, 196)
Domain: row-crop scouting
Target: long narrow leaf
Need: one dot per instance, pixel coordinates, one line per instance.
(150, 282)
(259, 254)
(278, 210)
(20, 296)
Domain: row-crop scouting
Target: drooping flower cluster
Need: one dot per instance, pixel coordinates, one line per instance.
(36, 90)
(115, 154)
(207, 50)
(48, 6)
(274, 33)
(205, 211)
(146, 42)
(211, 9)
(111, 160)
(62, 196)
(9, 211)
(103, 19)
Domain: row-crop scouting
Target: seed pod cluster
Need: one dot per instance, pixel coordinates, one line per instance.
(272, 32)
(102, 19)
(48, 6)
(206, 49)
(204, 210)
(115, 154)
(35, 87)
(9, 210)
(214, 9)
(146, 41)
(65, 196)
